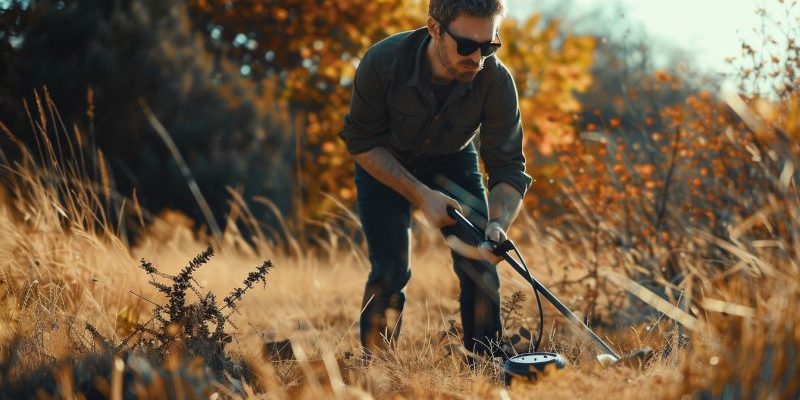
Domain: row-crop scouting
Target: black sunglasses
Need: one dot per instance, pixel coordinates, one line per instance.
(465, 46)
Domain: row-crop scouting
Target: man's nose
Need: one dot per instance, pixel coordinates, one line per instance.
(476, 56)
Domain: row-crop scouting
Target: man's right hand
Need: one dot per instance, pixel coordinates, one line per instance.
(382, 165)
(434, 203)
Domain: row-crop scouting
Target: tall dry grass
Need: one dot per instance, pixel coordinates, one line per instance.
(66, 264)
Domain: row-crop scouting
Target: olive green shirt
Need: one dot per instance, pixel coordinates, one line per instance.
(393, 106)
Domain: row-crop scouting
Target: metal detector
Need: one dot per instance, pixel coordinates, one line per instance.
(532, 365)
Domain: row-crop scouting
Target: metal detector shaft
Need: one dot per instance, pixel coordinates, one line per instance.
(479, 236)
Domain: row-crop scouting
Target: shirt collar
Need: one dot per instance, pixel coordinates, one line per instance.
(418, 59)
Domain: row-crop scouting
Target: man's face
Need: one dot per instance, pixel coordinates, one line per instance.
(479, 29)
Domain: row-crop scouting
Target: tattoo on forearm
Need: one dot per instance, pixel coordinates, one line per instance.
(384, 167)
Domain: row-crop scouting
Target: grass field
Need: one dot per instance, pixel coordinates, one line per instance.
(66, 264)
(314, 303)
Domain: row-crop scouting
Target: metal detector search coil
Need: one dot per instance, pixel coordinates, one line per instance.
(532, 365)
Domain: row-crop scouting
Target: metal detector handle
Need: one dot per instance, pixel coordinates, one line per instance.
(499, 249)
(502, 250)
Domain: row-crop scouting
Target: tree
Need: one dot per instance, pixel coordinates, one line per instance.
(112, 55)
(313, 46)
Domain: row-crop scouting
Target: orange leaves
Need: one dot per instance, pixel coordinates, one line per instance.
(645, 170)
(556, 131)
(702, 162)
(312, 46)
(673, 114)
(346, 194)
(201, 4)
(684, 161)
(280, 14)
(663, 76)
(328, 147)
(549, 68)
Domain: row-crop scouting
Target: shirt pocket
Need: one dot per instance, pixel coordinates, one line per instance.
(407, 128)
(461, 128)
(456, 134)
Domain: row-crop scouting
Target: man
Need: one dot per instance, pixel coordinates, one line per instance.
(419, 98)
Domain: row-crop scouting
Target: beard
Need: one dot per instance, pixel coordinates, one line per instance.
(461, 74)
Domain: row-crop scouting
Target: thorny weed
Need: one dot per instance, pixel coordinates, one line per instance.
(193, 329)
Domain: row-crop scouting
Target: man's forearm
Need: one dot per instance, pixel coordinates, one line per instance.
(382, 165)
(504, 204)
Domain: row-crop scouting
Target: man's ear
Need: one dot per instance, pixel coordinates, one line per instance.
(433, 28)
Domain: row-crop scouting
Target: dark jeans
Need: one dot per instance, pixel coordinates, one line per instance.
(386, 219)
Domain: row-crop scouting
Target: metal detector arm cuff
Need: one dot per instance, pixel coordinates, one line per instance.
(499, 249)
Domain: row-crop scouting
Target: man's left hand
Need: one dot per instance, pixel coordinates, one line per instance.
(494, 233)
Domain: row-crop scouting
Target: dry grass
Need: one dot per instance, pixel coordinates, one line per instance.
(65, 265)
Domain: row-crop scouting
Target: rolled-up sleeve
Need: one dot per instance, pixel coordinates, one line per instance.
(366, 124)
(501, 135)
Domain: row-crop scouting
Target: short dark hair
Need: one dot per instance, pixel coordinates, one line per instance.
(445, 11)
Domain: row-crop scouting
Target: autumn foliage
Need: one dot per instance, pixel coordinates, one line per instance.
(707, 163)
(316, 49)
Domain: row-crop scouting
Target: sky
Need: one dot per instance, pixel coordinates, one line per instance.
(710, 29)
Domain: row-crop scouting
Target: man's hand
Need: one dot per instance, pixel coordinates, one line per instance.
(504, 204)
(433, 204)
(495, 234)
